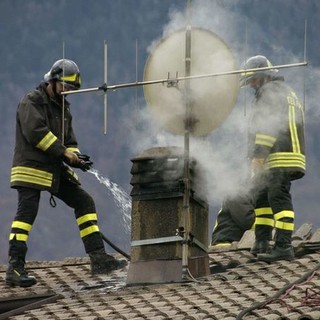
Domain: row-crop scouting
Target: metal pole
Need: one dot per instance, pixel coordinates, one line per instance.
(168, 80)
(63, 101)
(186, 195)
(188, 128)
(105, 112)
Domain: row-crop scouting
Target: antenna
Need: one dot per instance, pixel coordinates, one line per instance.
(304, 59)
(174, 81)
(63, 101)
(105, 113)
(188, 129)
(136, 91)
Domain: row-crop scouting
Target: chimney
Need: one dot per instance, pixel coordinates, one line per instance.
(157, 216)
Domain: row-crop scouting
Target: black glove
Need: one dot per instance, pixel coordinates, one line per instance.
(85, 163)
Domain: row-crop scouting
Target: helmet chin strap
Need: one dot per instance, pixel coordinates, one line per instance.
(56, 95)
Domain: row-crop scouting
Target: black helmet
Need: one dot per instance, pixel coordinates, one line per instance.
(66, 71)
(254, 63)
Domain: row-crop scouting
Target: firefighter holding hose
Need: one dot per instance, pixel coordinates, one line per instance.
(46, 148)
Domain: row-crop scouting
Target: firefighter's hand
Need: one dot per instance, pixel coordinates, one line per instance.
(257, 165)
(70, 157)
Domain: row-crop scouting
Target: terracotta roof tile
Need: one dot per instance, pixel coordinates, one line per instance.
(217, 296)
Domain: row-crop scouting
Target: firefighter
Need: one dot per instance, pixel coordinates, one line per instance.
(234, 218)
(42, 161)
(277, 154)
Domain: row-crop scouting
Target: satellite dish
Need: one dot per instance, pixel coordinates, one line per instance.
(213, 98)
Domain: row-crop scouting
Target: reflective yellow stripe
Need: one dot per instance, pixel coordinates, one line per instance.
(72, 78)
(262, 211)
(87, 217)
(265, 140)
(73, 149)
(89, 230)
(286, 160)
(47, 141)
(264, 222)
(21, 225)
(221, 244)
(31, 175)
(284, 214)
(249, 73)
(293, 130)
(286, 155)
(30, 180)
(19, 236)
(284, 225)
(285, 164)
(216, 222)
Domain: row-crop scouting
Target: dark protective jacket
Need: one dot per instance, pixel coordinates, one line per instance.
(276, 131)
(234, 218)
(38, 154)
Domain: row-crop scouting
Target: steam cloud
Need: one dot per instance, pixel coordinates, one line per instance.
(223, 152)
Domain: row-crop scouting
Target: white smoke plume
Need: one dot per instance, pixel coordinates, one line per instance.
(222, 153)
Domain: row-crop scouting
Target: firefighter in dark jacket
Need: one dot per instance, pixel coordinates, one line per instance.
(45, 150)
(234, 218)
(277, 153)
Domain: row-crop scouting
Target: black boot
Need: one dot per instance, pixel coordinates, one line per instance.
(277, 253)
(260, 246)
(102, 263)
(16, 274)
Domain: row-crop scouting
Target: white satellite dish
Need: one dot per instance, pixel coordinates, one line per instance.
(213, 98)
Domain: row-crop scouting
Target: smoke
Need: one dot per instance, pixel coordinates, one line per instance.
(222, 152)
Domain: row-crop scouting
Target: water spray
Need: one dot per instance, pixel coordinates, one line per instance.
(122, 201)
(120, 197)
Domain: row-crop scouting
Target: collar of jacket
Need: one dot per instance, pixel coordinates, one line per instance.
(272, 78)
(43, 88)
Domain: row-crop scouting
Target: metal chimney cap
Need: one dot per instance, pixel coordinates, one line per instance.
(159, 152)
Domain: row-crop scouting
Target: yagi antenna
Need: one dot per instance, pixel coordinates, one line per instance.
(173, 82)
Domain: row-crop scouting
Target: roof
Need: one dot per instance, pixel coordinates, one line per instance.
(67, 290)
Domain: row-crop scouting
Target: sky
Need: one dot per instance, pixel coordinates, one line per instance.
(34, 34)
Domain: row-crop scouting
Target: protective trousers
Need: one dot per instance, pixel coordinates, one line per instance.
(70, 193)
(273, 208)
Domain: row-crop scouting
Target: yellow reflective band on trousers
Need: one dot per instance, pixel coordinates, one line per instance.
(87, 217)
(264, 222)
(284, 225)
(31, 175)
(286, 160)
(21, 225)
(19, 236)
(265, 140)
(284, 214)
(263, 211)
(47, 141)
(89, 230)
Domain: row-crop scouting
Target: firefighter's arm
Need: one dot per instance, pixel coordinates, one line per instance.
(33, 124)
